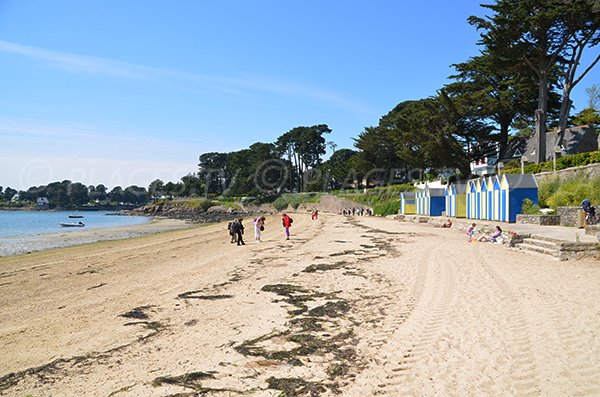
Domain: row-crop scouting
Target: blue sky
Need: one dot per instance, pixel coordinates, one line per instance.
(124, 92)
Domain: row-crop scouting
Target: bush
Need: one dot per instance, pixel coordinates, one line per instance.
(383, 200)
(529, 208)
(556, 193)
(572, 160)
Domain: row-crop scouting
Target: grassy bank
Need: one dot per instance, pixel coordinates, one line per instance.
(383, 200)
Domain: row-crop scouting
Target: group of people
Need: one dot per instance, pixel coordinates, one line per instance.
(495, 237)
(357, 211)
(236, 228)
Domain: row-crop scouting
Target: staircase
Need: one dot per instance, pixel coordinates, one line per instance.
(558, 249)
(540, 245)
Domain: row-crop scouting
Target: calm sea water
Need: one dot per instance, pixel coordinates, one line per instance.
(29, 223)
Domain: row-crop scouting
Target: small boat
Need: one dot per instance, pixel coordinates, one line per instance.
(75, 216)
(67, 224)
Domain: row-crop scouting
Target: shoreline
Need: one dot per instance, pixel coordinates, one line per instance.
(11, 246)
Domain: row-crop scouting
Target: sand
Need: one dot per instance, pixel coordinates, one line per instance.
(348, 306)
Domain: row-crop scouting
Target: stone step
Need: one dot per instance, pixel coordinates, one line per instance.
(548, 239)
(592, 230)
(541, 243)
(537, 249)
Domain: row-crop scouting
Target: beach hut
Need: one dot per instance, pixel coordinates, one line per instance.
(478, 198)
(407, 203)
(514, 189)
(490, 197)
(496, 198)
(431, 201)
(471, 198)
(456, 200)
(484, 199)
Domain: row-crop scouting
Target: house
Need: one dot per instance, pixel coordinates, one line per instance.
(15, 198)
(514, 150)
(42, 203)
(580, 139)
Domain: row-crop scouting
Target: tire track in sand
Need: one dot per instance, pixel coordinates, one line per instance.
(434, 293)
(573, 357)
(523, 372)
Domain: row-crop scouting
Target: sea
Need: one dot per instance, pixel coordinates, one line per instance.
(31, 223)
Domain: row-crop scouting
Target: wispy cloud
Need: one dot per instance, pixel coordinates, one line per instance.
(110, 67)
(77, 63)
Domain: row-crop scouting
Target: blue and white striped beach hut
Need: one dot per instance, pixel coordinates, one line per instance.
(514, 189)
(496, 198)
(431, 201)
(408, 203)
(471, 194)
(483, 214)
(490, 198)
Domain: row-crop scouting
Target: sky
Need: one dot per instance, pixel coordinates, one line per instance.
(126, 92)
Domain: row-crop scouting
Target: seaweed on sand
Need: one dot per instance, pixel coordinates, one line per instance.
(137, 313)
(192, 380)
(330, 309)
(193, 295)
(325, 267)
(292, 387)
(295, 295)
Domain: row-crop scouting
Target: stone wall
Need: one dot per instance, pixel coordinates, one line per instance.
(590, 170)
(568, 215)
(578, 251)
(538, 219)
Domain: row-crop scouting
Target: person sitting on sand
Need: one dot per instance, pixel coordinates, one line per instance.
(447, 224)
(494, 238)
(471, 230)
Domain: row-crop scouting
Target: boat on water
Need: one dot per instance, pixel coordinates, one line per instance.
(75, 216)
(72, 224)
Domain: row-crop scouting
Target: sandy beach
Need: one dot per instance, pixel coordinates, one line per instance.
(348, 306)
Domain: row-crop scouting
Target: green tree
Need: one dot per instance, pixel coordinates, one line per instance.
(58, 195)
(535, 32)
(591, 114)
(211, 170)
(156, 189)
(116, 194)
(98, 192)
(303, 147)
(583, 23)
(78, 193)
(135, 195)
(191, 185)
(493, 90)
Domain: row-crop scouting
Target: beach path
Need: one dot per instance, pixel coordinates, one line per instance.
(353, 306)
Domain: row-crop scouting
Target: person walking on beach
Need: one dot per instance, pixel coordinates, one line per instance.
(231, 232)
(287, 223)
(238, 231)
(259, 226)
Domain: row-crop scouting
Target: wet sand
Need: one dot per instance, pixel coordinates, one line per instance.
(27, 244)
(348, 306)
